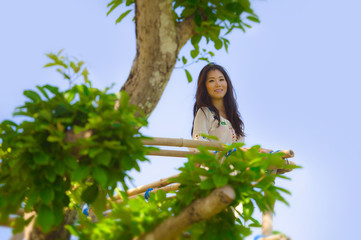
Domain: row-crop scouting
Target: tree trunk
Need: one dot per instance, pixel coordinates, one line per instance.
(34, 232)
(159, 40)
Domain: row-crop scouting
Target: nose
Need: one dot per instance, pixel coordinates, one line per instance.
(218, 83)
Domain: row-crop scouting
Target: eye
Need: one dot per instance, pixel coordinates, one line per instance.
(222, 79)
(210, 80)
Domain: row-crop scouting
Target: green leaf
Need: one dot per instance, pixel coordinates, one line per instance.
(70, 95)
(32, 198)
(197, 19)
(34, 96)
(196, 39)
(59, 168)
(45, 114)
(50, 64)
(207, 184)
(115, 4)
(52, 89)
(210, 137)
(53, 57)
(94, 151)
(45, 218)
(129, 2)
(47, 195)
(70, 162)
(248, 210)
(123, 15)
(41, 89)
(254, 19)
(90, 193)
(123, 98)
(220, 180)
(184, 60)
(58, 215)
(104, 158)
(50, 175)
(72, 229)
(81, 173)
(218, 44)
(66, 76)
(101, 176)
(41, 158)
(85, 74)
(189, 76)
(100, 204)
(194, 53)
(54, 139)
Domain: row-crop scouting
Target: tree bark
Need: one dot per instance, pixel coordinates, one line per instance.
(159, 40)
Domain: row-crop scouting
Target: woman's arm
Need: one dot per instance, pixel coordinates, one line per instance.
(201, 125)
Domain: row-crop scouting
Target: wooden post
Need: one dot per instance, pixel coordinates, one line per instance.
(267, 217)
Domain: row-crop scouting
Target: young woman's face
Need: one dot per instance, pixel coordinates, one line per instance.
(216, 84)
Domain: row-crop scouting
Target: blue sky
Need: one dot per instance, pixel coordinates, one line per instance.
(297, 78)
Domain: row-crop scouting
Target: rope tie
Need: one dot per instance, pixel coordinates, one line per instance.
(260, 236)
(86, 211)
(146, 195)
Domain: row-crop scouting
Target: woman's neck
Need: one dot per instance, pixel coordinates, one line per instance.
(219, 104)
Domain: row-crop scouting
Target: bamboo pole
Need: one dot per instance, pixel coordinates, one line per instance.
(199, 210)
(158, 184)
(176, 153)
(168, 188)
(170, 153)
(275, 237)
(180, 142)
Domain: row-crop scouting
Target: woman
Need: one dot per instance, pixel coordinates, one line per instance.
(215, 110)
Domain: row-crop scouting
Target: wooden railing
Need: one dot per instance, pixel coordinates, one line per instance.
(219, 199)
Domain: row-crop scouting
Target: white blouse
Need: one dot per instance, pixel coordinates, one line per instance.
(205, 123)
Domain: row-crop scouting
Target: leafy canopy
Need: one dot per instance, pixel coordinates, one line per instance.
(214, 20)
(74, 146)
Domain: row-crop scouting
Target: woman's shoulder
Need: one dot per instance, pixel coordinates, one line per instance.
(205, 111)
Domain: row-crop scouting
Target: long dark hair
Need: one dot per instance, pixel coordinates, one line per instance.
(230, 104)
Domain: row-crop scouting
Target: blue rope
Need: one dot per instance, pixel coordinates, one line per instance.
(86, 211)
(146, 195)
(231, 151)
(271, 152)
(260, 236)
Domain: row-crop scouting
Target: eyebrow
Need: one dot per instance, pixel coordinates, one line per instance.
(214, 77)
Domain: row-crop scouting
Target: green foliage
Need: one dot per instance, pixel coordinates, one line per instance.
(246, 172)
(127, 219)
(72, 143)
(69, 67)
(214, 20)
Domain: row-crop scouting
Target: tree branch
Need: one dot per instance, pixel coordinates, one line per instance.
(185, 30)
(159, 41)
(199, 210)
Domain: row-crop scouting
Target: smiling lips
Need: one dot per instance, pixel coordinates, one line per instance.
(218, 90)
